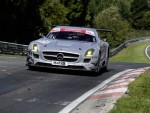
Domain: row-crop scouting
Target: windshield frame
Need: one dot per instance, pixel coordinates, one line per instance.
(76, 36)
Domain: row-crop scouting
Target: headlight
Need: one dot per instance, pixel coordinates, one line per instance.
(35, 48)
(89, 53)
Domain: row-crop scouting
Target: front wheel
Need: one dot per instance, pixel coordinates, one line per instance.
(31, 67)
(105, 68)
(98, 66)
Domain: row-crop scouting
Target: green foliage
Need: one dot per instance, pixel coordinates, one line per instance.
(144, 21)
(77, 11)
(52, 13)
(140, 10)
(139, 5)
(124, 9)
(111, 18)
(26, 19)
(96, 6)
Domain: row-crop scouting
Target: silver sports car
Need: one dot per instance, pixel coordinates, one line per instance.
(67, 47)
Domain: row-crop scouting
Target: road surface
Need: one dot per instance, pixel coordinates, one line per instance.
(46, 90)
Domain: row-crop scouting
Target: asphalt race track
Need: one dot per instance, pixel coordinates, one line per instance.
(46, 90)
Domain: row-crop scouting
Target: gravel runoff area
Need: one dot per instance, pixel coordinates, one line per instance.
(103, 100)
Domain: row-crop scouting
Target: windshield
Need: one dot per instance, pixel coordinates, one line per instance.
(72, 36)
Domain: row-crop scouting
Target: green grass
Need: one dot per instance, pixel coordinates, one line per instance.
(138, 99)
(133, 53)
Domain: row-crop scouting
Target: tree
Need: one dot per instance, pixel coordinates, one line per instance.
(124, 9)
(20, 20)
(144, 22)
(9, 19)
(138, 10)
(77, 11)
(96, 6)
(111, 18)
(52, 12)
(29, 22)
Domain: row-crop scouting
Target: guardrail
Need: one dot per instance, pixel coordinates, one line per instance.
(126, 43)
(13, 48)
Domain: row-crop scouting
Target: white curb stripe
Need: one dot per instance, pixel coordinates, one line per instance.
(118, 90)
(146, 51)
(76, 102)
(120, 81)
(121, 84)
(123, 80)
(134, 73)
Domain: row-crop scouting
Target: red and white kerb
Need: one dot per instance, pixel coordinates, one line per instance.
(73, 30)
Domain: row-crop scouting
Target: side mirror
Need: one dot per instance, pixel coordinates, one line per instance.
(104, 38)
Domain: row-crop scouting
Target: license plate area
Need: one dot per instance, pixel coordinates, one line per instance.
(59, 63)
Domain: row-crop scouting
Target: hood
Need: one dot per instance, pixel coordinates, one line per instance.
(65, 45)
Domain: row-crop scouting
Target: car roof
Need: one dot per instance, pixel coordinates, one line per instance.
(79, 28)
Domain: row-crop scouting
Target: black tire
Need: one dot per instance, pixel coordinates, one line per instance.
(31, 67)
(105, 68)
(98, 66)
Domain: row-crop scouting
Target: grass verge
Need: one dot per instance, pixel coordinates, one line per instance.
(133, 53)
(138, 99)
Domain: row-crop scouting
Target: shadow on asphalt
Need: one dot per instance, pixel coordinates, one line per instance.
(68, 72)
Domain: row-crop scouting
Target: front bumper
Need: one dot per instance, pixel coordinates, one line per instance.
(38, 62)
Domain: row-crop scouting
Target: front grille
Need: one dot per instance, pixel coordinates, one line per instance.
(68, 57)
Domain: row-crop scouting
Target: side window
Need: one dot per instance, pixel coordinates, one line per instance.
(50, 35)
(94, 39)
(99, 35)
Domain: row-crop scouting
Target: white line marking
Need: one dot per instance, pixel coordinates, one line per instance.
(121, 84)
(18, 99)
(62, 103)
(120, 81)
(131, 79)
(76, 102)
(146, 51)
(118, 90)
(133, 73)
(3, 70)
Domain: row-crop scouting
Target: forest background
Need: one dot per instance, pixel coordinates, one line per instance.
(22, 21)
